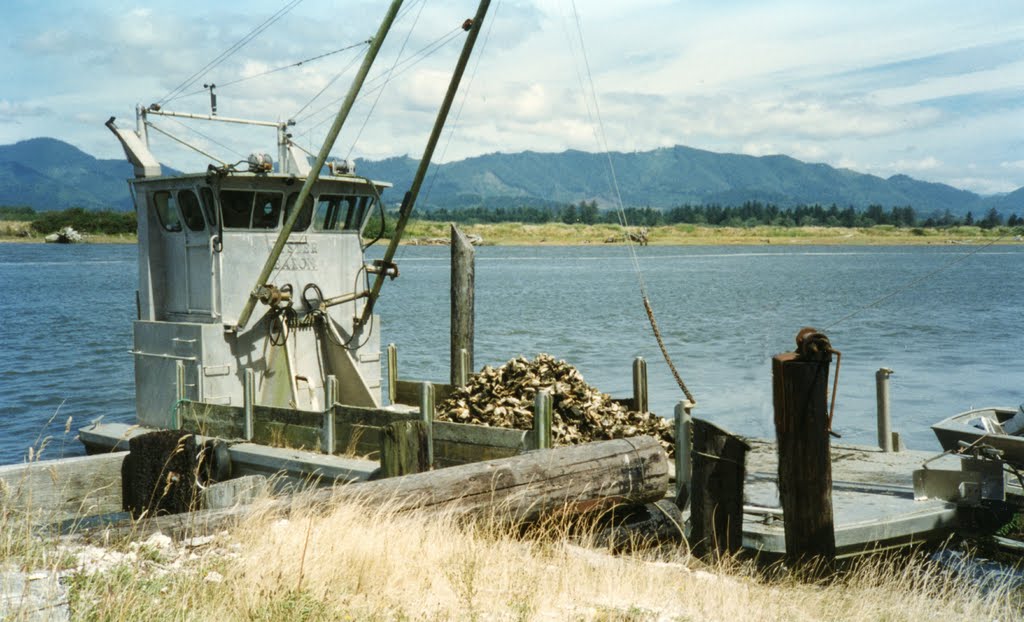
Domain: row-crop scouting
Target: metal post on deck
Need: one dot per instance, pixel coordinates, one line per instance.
(330, 397)
(684, 445)
(640, 385)
(392, 373)
(542, 406)
(884, 418)
(427, 415)
(179, 382)
(461, 375)
(248, 401)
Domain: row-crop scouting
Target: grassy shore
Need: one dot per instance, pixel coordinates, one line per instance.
(557, 234)
(355, 562)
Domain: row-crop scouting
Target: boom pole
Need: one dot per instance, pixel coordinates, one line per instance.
(321, 159)
(410, 197)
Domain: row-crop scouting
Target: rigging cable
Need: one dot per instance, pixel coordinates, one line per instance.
(906, 286)
(603, 144)
(221, 85)
(330, 82)
(404, 65)
(465, 97)
(176, 92)
(388, 75)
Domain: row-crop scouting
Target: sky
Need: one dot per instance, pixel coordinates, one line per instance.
(932, 89)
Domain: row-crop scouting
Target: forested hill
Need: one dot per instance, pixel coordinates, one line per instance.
(45, 173)
(669, 177)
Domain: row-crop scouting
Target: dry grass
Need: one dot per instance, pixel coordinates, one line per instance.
(697, 235)
(361, 563)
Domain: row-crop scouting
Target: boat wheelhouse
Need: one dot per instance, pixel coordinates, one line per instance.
(203, 239)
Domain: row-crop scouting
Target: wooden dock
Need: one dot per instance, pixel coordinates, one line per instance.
(872, 498)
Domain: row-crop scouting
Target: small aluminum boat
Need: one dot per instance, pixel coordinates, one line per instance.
(999, 428)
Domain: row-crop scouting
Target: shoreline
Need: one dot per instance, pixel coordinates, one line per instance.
(423, 233)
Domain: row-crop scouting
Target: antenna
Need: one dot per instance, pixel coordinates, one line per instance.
(213, 98)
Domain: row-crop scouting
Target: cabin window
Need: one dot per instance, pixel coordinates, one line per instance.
(340, 212)
(243, 209)
(302, 223)
(191, 210)
(266, 210)
(166, 210)
(209, 205)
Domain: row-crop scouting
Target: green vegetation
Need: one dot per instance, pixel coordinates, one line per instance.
(748, 214)
(101, 222)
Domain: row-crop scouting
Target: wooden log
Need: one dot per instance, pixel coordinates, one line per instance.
(716, 495)
(639, 527)
(799, 385)
(403, 448)
(462, 303)
(578, 478)
(53, 491)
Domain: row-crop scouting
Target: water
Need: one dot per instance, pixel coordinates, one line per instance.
(954, 339)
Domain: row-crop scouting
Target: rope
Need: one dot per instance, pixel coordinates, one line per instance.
(602, 140)
(664, 352)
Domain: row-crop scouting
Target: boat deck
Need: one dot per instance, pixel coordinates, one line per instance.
(872, 500)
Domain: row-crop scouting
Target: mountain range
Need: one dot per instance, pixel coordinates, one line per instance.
(46, 173)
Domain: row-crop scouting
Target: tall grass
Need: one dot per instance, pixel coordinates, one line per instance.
(365, 563)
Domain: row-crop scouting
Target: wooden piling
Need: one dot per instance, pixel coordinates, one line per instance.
(683, 428)
(403, 448)
(462, 301)
(716, 504)
(799, 385)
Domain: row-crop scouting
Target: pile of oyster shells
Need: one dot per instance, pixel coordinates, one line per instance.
(504, 397)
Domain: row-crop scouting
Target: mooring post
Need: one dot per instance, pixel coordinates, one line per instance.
(716, 504)
(427, 417)
(462, 302)
(799, 387)
(542, 407)
(684, 439)
(330, 397)
(404, 448)
(640, 385)
(884, 418)
(248, 401)
(392, 373)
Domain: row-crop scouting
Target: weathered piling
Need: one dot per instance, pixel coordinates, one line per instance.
(462, 303)
(542, 405)
(716, 505)
(683, 428)
(403, 448)
(802, 426)
(427, 410)
(640, 385)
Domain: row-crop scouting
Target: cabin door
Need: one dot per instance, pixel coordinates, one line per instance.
(200, 230)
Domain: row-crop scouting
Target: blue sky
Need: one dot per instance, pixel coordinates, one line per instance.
(931, 89)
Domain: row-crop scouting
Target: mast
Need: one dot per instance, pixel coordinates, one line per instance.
(410, 197)
(321, 159)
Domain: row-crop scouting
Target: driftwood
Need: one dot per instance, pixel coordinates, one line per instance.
(581, 478)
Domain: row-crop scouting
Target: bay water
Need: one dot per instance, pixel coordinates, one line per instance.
(946, 318)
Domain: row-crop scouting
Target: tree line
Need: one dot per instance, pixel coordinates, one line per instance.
(749, 214)
(78, 218)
